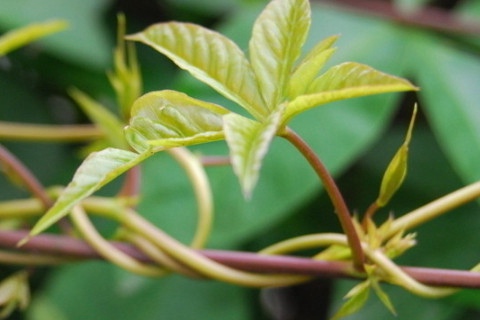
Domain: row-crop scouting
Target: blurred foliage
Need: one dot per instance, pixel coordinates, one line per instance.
(356, 139)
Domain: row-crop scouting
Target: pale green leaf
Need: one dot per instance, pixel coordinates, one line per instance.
(109, 123)
(277, 38)
(22, 36)
(309, 67)
(397, 168)
(209, 57)
(356, 300)
(345, 81)
(125, 78)
(96, 170)
(166, 119)
(248, 141)
(384, 298)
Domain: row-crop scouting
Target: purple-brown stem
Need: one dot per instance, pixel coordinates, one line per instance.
(61, 245)
(28, 179)
(335, 195)
(435, 19)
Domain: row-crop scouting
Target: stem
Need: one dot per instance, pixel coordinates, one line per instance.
(106, 249)
(203, 194)
(369, 214)
(335, 195)
(158, 256)
(131, 185)
(64, 247)
(427, 17)
(16, 167)
(435, 208)
(401, 278)
(51, 133)
(200, 263)
(209, 161)
(31, 259)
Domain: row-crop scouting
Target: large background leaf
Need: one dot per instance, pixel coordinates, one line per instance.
(451, 100)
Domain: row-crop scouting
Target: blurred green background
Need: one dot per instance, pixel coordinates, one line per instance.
(356, 139)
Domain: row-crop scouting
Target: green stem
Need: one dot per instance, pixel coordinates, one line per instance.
(389, 270)
(335, 195)
(200, 263)
(106, 249)
(369, 214)
(203, 194)
(435, 209)
(157, 255)
(50, 133)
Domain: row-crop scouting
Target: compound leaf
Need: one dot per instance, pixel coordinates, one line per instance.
(166, 119)
(98, 169)
(208, 56)
(345, 81)
(277, 38)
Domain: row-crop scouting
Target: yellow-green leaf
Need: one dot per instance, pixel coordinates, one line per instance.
(125, 78)
(97, 169)
(384, 298)
(309, 67)
(209, 57)
(277, 38)
(248, 141)
(397, 168)
(109, 123)
(166, 119)
(345, 81)
(356, 300)
(22, 36)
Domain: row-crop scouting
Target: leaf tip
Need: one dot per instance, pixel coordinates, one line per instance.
(23, 241)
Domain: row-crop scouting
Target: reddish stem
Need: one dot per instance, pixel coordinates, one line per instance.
(28, 179)
(335, 195)
(427, 17)
(74, 248)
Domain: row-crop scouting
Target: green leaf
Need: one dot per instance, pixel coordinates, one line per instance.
(345, 81)
(383, 296)
(397, 168)
(97, 170)
(277, 38)
(86, 42)
(23, 36)
(248, 141)
(309, 68)
(450, 99)
(356, 300)
(110, 125)
(125, 78)
(208, 56)
(166, 119)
